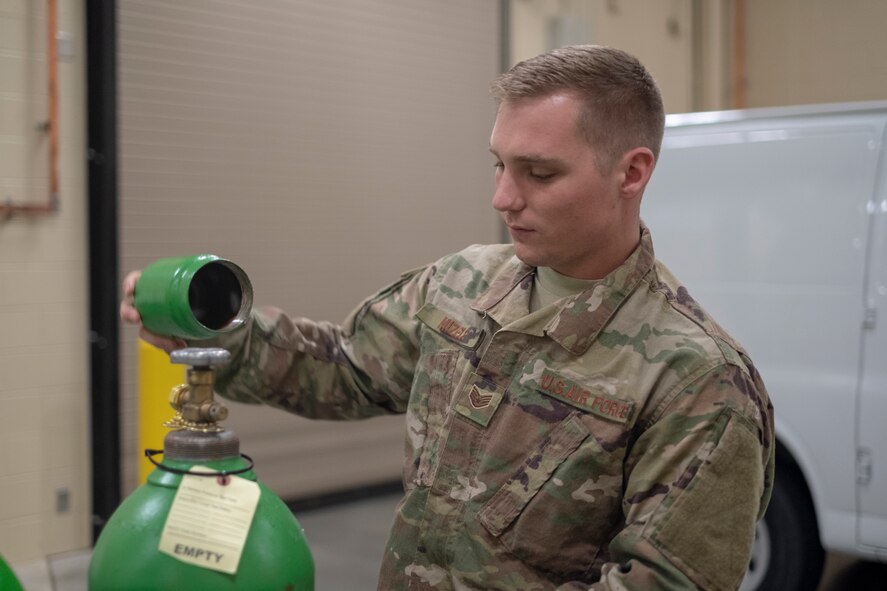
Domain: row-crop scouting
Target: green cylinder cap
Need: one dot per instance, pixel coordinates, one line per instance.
(195, 297)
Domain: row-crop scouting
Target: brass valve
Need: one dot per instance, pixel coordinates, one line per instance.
(196, 409)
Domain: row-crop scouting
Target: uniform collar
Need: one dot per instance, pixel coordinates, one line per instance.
(581, 317)
(508, 298)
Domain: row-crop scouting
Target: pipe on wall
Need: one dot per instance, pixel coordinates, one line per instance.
(9, 208)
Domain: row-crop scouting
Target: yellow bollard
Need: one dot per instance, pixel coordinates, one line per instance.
(157, 376)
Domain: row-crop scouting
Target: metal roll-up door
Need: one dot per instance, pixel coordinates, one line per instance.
(324, 146)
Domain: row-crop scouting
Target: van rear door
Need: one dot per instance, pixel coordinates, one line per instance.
(872, 455)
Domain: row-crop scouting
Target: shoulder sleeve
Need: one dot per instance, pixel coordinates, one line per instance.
(697, 481)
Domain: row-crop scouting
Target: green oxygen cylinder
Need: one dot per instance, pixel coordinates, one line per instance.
(8, 580)
(128, 553)
(188, 524)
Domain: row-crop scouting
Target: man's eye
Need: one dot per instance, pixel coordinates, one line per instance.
(498, 165)
(541, 176)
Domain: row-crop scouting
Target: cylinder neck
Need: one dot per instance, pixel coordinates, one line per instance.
(197, 446)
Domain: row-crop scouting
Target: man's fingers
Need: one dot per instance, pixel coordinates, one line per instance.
(129, 283)
(128, 312)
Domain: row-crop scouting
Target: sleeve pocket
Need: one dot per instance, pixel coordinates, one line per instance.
(706, 527)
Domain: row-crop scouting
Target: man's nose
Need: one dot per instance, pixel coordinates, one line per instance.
(508, 195)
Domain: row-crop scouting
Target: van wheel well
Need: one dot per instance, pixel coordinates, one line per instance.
(787, 554)
(787, 466)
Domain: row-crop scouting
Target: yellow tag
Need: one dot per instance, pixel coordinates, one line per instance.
(209, 520)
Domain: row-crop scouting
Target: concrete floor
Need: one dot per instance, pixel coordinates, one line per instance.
(347, 541)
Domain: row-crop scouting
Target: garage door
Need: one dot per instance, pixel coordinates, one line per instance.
(323, 146)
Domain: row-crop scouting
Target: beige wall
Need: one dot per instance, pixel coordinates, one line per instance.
(44, 398)
(796, 51)
(816, 51)
(660, 34)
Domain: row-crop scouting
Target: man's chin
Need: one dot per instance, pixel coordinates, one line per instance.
(528, 257)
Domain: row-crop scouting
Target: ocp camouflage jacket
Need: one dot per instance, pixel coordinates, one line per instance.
(617, 440)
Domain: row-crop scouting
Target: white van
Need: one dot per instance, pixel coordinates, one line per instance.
(776, 220)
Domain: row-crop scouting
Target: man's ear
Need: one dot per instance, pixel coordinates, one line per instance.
(637, 167)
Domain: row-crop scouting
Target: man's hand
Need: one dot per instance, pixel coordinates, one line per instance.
(130, 315)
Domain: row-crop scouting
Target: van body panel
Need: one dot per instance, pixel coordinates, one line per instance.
(872, 421)
(766, 216)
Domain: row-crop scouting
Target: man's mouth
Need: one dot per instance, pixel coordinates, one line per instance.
(517, 227)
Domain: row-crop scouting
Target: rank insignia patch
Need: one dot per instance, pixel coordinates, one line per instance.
(479, 400)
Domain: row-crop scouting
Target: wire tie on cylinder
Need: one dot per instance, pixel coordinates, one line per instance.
(150, 453)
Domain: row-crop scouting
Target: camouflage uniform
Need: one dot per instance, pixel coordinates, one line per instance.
(620, 440)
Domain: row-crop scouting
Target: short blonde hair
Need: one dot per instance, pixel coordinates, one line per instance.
(622, 104)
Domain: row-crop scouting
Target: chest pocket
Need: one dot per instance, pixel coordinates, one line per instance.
(448, 346)
(563, 505)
